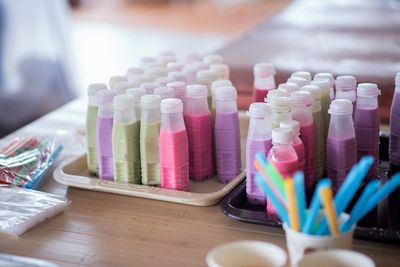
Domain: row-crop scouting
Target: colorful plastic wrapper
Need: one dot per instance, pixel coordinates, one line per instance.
(25, 160)
(21, 209)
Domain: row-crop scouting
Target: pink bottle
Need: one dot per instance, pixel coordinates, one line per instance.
(258, 139)
(346, 89)
(264, 80)
(394, 141)
(367, 124)
(198, 126)
(297, 144)
(302, 112)
(173, 145)
(227, 135)
(283, 156)
(104, 127)
(341, 144)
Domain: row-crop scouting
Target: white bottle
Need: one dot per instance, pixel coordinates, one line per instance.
(206, 77)
(302, 74)
(346, 89)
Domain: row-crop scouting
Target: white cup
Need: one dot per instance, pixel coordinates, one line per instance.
(299, 244)
(246, 253)
(335, 258)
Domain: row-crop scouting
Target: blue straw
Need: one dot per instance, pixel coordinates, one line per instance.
(314, 207)
(358, 208)
(348, 189)
(298, 179)
(280, 209)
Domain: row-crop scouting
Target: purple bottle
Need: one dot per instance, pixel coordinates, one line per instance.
(341, 144)
(258, 139)
(367, 124)
(394, 142)
(227, 135)
(104, 134)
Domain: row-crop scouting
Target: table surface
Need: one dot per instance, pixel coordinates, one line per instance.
(100, 229)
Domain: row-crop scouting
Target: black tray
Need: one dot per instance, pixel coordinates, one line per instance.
(236, 206)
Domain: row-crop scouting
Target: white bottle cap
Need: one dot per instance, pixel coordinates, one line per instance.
(123, 102)
(302, 74)
(221, 70)
(282, 136)
(200, 65)
(298, 80)
(259, 110)
(105, 96)
(397, 79)
(163, 81)
(156, 72)
(121, 87)
(114, 79)
(175, 66)
(141, 78)
(368, 90)
(94, 88)
(341, 107)
(281, 104)
(164, 92)
(263, 69)
(212, 59)
(178, 87)
(219, 83)
(322, 83)
(346, 83)
(136, 93)
(206, 76)
(293, 125)
(177, 76)
(150, 102)
(289, 87)
(196, 91)
(145, 61)
(149, 87)
(314, 90)
(301, 99)
(134, 71)
(325, 75)
(226, 93)
(274, 93)
(171, 105)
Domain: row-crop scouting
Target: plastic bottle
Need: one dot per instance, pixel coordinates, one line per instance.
(283, 156)
(258, 139)
(274, 93)
(136, 93)
(281, 109)
(394, 142)
(302, 112)
(206, 77)
(346, 89)
(325, 87)
(213, 59)
(174, 149)
(175, 66)
(104, 127)
(221, 70)
(149, 87)
(115, 79)
(91, 119)
(320, 142)
(164, 92)
(178, 76)
(297, 144)
(125, 141)
(298, 80)
(302, 74)
(367, 124)
(264, 80)
(331, 78)
(227, 135)
(149, 136)
(341, 142)
(133, 72)
(190, 72)
(197, 118)
(179, 89)
(288, 87)
(163, 81)
(214, 87)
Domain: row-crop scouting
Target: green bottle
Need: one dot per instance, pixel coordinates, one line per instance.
(91, 119)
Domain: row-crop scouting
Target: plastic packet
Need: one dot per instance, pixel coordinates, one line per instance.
(25, 160)
(21, 209)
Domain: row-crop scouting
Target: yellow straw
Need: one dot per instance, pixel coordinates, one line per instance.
(325, 193)
(293, 209)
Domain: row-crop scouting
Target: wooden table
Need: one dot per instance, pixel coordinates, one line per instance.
(100, 229)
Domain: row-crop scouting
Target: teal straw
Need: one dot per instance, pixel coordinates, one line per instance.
(358, 208)
(275, 176)
(280, 209)
(348, 189)
(314, 207)
(298, 179)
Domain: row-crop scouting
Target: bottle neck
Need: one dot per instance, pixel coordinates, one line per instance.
(260, 128)
(266, 83)
(126, 116)
(316, 106)
(223, 106)
(151, 115)
(196, 106)
(302, 114)
(367, 102)
(341, 127)
(172, 122)
(106, 110)
(349, 95)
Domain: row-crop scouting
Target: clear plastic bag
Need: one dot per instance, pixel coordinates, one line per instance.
(25, 160)
(21, 209)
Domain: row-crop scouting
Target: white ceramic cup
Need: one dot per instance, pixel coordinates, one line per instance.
(335, 258)
(299, 244)
(246, 253)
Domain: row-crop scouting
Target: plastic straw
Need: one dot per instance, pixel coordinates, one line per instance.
(314, 207)
(271, 171)
(325, 193)
(271, 185)
(293, 208)
(280, 209)
(298, 179)
(348, 189)
(358, 208)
